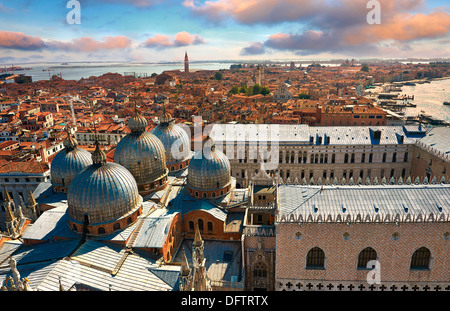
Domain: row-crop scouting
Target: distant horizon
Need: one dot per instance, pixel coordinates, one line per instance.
(236, 61)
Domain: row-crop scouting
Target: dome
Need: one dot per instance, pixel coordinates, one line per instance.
(142, 153)
(176, 143)
(137, 123)
(67, 163)
(107, 193)
(209, 172)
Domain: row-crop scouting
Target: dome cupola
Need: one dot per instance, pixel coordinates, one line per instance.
(67, 163)
(209, 172)
(103, 197)
(142, 153)
(176, 143)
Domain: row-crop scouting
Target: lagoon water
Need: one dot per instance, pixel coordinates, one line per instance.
(76, 71)
(429, 97)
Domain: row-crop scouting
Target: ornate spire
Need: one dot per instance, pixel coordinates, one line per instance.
(185, 271)
(99, 156)
(7, 196)
(198, 242)
(70, 143)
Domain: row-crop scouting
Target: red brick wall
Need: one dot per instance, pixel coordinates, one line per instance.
(341, 255)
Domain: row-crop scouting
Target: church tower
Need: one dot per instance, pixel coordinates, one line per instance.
(186, 63)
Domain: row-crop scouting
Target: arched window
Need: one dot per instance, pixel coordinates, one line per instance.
(384, 157)
(420, 260)
(365, 256)
(101, 230)
(210, 226)
(315, 259)
(191, 225)
(200, 224)
(346, 158)
(116, 226)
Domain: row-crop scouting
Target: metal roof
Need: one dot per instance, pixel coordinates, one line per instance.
(437, 142)
(155, 229)
(302, 133)
(387, 203)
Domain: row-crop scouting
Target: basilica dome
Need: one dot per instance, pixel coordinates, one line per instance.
(104, 192)
(209, 172)
(176, 143)
(142, 153)
(67, 163)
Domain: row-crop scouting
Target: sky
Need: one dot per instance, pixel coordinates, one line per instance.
(163, 30)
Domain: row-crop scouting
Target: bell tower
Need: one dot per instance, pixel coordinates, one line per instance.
(186, 63)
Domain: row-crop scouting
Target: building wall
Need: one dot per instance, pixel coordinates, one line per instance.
(217, 226)
(306, 161)
(341, 255)
(426, 164)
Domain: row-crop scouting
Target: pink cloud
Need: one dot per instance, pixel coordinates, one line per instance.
(20, 41)
(88, 44)
(181, 39)
(403, 27)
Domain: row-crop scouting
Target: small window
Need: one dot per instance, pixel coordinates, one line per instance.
(191, 226)
(210, 226)
(200, 224)
(101, 230)
(420, 260)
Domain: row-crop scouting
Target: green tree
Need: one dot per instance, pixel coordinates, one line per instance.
(303, 96)
(218, 76)
(365, 67)
(234, 90)
(265, 90)
(256, 89)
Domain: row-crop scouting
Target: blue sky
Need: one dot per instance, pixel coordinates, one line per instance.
(158, 30)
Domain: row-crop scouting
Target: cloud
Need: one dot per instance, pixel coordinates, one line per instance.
(339, 27)
(88, 44)
(136, 3)
(181, 39)
(256, 48)
(20, 41)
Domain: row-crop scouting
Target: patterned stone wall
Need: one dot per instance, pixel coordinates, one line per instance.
(394, 254)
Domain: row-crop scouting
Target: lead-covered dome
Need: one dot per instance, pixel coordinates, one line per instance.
(176, 143)
(105, 195)
(67, 163)
(209, 172)
(142, 153)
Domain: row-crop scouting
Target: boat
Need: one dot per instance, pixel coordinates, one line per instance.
(447, 103)
(409, 83)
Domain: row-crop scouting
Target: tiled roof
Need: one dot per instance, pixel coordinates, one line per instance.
(25, 167)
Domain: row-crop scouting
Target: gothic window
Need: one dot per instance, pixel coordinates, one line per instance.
(260, 270)
(315, 259)
(420, 260)
(365, 256)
